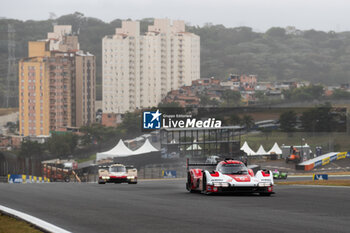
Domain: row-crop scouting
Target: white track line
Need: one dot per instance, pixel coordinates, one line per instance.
(33, 220)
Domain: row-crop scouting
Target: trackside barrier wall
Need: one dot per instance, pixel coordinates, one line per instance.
(22, 179)
(322, 160)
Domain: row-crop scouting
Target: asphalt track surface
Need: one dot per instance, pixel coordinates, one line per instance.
(165, 206)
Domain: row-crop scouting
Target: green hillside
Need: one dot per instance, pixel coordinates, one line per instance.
(320, 57)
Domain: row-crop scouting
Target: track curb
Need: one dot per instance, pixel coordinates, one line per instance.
(41, 224)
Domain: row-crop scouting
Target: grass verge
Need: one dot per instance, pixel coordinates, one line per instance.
(12, 225)
(316, 182)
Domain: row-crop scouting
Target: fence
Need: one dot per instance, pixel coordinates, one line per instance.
(12, 164)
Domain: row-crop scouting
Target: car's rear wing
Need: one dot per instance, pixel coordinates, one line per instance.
(109, 165)
(188, 164)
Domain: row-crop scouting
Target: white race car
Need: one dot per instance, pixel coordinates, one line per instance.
(229, 176)
(117, 173)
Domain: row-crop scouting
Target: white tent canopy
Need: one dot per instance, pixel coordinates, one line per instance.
(194, 146)
(120, 150)
(261, 151)
(247, 149)
(275, 149)
(145, 148)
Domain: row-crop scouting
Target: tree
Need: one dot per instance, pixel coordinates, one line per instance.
(248, 122)
(170, 108)
(31, 149)
(231, 98)
(97, 133)
(131, 125)
(319, 119)
(340, 94)
(276, 32)
(62, 145)
(288, 121)
(235, 120)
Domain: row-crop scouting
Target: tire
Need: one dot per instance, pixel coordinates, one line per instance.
(204, 184)
(189, 184)
(285, 177)
(101, 182)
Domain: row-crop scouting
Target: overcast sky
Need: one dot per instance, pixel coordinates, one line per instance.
(258, 14)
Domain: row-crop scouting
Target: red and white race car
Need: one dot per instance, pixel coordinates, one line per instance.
(117, 173)
(229, 176)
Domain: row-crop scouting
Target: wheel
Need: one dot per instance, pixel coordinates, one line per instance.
(100, 182)
(285, 177)
(204, 184)
(189, 183)
(287, 160)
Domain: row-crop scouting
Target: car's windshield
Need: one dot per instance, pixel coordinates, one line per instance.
(117, 169)
(232, 169)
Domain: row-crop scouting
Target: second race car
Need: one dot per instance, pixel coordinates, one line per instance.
(229, 176)
(117, 173)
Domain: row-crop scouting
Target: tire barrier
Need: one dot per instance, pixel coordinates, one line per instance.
(322, 160)
(23, 179)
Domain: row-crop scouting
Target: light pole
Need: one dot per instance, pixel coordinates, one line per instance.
(302, 151)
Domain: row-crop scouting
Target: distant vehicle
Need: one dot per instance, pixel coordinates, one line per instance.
(61, 172)
(294, 156)
(229, 176)
(117, 173)
(279, 175)
(213, 159)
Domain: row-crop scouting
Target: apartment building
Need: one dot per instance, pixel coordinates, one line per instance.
(139, 70)
(57, 85)
(84, 93)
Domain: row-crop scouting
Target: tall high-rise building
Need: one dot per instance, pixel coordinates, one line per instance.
(139, 70)
(57, 85)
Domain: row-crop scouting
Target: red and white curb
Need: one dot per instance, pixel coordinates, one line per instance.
(33, 220)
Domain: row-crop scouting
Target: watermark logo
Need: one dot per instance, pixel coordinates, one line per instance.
(152, 120)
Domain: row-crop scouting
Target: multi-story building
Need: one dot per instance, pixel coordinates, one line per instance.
(139, 70)
(57, 85)
(34, 105)
(85, 89)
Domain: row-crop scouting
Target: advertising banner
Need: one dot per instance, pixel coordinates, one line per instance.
(169, 174)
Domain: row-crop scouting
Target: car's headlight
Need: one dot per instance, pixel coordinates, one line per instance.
(220, 184)
(131, 177)
(264, 184)
(105, 177)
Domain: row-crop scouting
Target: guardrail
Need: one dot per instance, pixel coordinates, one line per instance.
(14, 178)
(322, 160)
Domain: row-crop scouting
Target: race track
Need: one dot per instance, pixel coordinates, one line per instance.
(165, 206)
